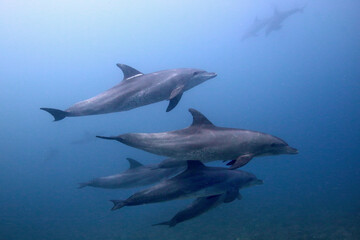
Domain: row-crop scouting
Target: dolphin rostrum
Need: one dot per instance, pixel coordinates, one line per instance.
(136, 90)
(200, 206)
(206, 142)
(196, 181)
(137, 175)
(278, 18)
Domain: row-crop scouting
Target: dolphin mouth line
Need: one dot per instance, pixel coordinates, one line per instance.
(292, 150)
(212, 75)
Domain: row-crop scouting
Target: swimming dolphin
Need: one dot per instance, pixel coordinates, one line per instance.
(200, 206)
(137, 175)
(196, 181)
(136, 90)
(275, 22)
(255, 28)
(206, 142)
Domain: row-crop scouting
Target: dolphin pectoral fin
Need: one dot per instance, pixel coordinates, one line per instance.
(56, 113)
(178, 90)
(133, 163)
(169, 223)
(239, 196)
(230, 163)
(128, 71)
(173, 102)
(117, 204)
(175, 97)
(213, 196)
(240, 161)
(231, 195)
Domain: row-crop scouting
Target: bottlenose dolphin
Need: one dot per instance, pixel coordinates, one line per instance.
(196, 181)
(200, 206)
(136, 90)
(255, 28)
(206, 142)
(278, 18)
(137, 175)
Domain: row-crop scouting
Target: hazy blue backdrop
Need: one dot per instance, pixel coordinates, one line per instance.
(301, 83)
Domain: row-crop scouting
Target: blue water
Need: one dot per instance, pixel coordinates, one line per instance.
(301, 83)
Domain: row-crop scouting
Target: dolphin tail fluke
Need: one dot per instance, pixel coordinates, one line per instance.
(108, 138)
(168, 223)
(82, 185)
(117, 204)
(56, 113)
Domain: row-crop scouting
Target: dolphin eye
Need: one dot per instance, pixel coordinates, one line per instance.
(195, 73)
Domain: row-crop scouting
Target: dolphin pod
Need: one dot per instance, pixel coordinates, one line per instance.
(183, 174)
(196, 181)
(136, 90)
(206, 142)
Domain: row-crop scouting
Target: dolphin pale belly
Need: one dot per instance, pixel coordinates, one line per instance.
(136, 176)
(206, 142)
(136, 90)
(196, 181)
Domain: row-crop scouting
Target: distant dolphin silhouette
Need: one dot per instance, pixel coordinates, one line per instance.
(275, 22)
(255, 28)
(206, 142)
(136, 176)
(196, 181)
(136, 90)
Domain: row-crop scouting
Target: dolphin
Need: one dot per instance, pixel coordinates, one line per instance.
(196, 181)
(275, 22)
(200, 206)
(206, 142)
(255, 28)
(137, 175)
(136, 90)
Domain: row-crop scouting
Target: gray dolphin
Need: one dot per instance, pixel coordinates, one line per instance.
(206, 142)
(196, 181)
(200, 206)
(136, 90)
(136, 176)
(275, 22)
(255, 28)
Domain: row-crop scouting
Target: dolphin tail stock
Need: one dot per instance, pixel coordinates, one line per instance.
(117, 204)
(56, 113)
(168, 223)
(82, 185)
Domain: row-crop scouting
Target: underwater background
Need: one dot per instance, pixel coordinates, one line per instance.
(301, 83)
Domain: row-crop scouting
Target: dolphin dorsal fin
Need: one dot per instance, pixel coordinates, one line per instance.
(128, 71)
(199, 119)
(194, 164)
(133, 163)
